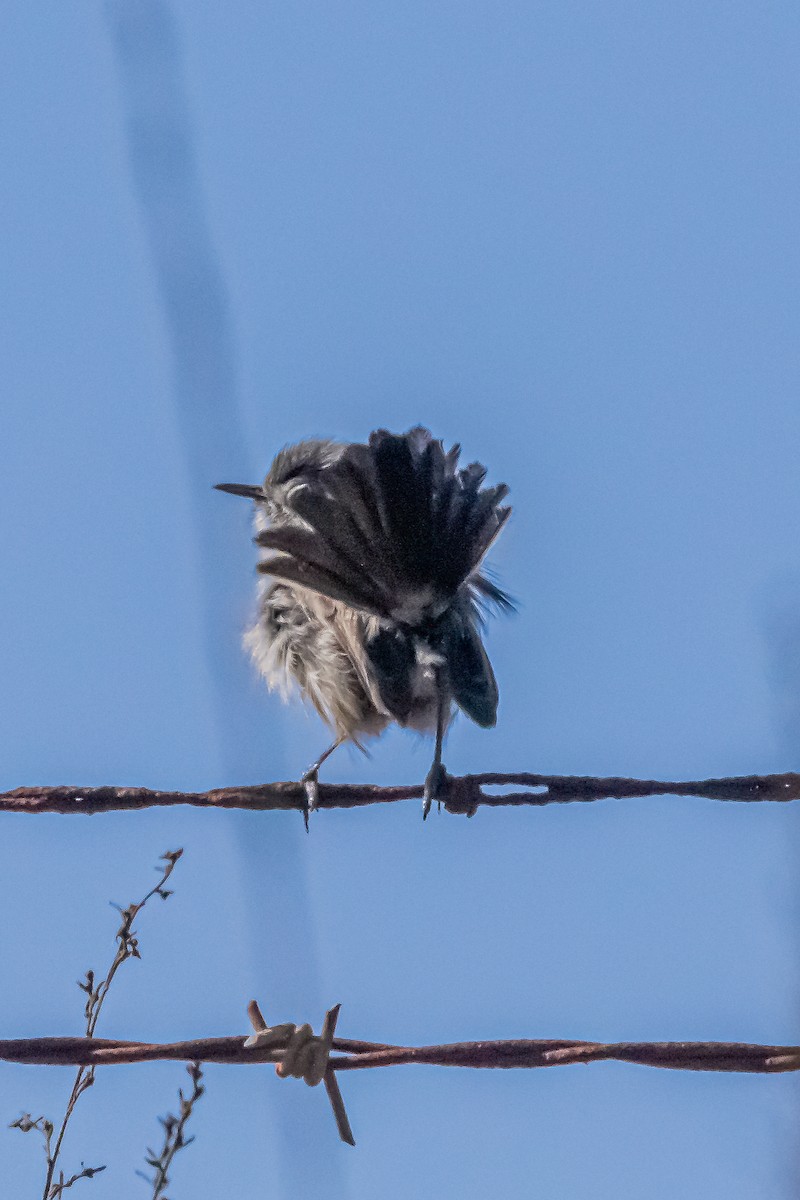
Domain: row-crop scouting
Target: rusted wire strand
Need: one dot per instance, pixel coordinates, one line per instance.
(352, 1055)
(465, 793)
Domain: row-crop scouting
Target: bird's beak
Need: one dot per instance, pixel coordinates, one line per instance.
(250, 491)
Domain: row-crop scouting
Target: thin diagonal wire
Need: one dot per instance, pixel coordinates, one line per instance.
(199, 326)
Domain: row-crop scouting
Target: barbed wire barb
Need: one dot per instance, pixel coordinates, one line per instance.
(302, 1055)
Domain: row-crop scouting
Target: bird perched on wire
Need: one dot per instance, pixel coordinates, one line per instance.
(373, 595)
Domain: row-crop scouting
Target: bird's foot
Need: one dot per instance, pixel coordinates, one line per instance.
(310, 782)
(436, 788)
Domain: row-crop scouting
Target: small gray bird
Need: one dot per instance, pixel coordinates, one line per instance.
(374, 597)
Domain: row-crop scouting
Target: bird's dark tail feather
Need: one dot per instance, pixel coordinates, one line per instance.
(393, 528)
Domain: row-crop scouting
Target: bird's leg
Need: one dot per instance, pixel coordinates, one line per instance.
(436, 782)
(310, 781)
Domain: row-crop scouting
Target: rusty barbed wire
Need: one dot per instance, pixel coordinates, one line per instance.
(299, 1053)
(353, 1055)
(464, 795)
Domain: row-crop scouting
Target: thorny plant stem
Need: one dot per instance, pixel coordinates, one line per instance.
(127, 947)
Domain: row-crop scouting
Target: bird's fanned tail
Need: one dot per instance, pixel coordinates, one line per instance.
(393, 528)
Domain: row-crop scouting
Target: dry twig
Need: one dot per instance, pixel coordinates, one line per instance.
(127, 947)
(174, 1135)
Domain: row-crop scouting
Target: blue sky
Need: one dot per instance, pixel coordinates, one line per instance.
(565, 236)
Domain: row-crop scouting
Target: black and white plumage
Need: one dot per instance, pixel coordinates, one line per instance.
(373, 596)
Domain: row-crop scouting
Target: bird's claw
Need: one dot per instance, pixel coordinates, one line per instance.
(435, 788)
(310, 782)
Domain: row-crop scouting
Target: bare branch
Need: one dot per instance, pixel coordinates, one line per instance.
(174, 1135)
(465, 793)
(127, 947)
(63, 1183)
